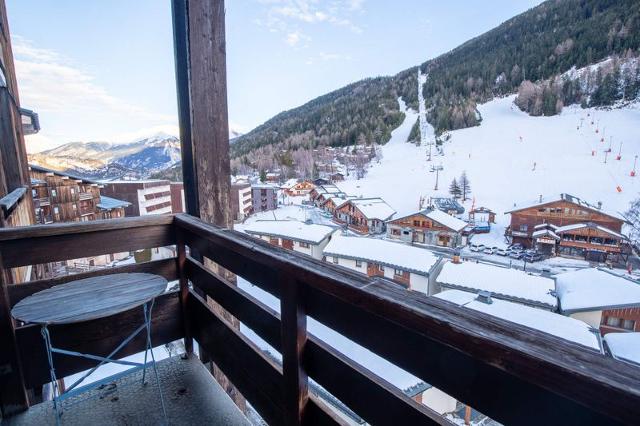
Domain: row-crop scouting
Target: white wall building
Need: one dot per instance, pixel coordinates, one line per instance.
(503, 283)
(585, 293)
(410, 266)
(310, 239)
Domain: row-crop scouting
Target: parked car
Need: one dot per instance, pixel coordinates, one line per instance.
(532, 257)
(516, 254)
(503, 252)
(516, 246)
(476, 247)
(490, 250)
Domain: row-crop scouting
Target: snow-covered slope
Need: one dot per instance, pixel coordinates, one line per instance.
(514, 158)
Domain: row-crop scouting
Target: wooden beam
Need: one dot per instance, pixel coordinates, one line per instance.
(184, 292)
(163, 267)
(13, 391)
(209, 115)
(293, 320)
(33, 245)
(257, 377)
(98, 337)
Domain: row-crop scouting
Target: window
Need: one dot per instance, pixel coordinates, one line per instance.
(335, 259)
(381, 268)
(613, 322)
(358, 263)
(56, 210)
(628, 324)
(395, 231)
(416, 223)
(54, 193)
(73, 191)
(398, 272)
(75, 207)
(304, 245)
(524, 228)
(34, 193)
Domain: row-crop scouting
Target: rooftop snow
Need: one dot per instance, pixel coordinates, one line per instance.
(387, 253)
(374, 208)
(501, 282)
(541, 201)
(558, 325)
(624, 346)
(575, 226)
(109, 203)
(447, 220)
(291, 229)
(593, 289)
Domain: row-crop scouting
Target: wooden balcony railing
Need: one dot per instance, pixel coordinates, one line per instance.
(511, 373)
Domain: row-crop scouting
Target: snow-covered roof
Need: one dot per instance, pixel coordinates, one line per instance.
(592, 289)
(338, 200)
(373, 208)
(545, 232)
(558, 325)
(328, 188)
(289, 184)
(541, 201)
(108, 203)
(591, 225)
(291, 229)
(447, 204)
(624, 346)
(397, 255)
(545, 225)
(263, 186)
(502, 282)
(447, 220)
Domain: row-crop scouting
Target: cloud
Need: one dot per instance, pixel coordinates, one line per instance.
(326, 57)
(287, 16)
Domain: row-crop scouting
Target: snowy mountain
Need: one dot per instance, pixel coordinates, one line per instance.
(137, 159)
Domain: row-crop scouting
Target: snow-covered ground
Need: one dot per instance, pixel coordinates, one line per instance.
(512, 158)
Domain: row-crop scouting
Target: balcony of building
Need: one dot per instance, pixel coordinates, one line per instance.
(512, 374)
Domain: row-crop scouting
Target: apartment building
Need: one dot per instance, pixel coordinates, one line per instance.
(151, 196)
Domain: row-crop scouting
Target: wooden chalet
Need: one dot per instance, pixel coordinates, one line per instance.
(299, 189)
(569, 226)
(430, 226)
(61, 197)
(364, 215)
(321, 193)
(510, 372)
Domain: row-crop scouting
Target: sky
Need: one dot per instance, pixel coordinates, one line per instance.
(104, 71)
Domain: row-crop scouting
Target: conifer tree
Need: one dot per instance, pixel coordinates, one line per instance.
(465, 186)
(454, 189)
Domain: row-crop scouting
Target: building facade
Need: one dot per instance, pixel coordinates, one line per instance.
(241, 200)
(146, 196)
(178, 204)
(569, 226)
(309, 239)
(430, 227)
(264, 197)
(364, 215)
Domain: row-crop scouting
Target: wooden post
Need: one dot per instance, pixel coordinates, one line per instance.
(294, 337)
(184, 293)
(13, 393)
(201, 78)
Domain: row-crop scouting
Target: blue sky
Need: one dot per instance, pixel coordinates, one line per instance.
(103, 70)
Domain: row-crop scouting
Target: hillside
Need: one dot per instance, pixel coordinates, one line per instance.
(539, 44)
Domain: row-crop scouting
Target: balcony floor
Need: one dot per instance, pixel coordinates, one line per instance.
(191, 396)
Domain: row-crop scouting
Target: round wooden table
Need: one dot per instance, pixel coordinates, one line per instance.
(89, 299)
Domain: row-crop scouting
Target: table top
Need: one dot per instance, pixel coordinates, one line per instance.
(89, 298)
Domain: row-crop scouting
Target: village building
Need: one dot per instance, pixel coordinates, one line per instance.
(411, 267)
(264, 197)
(331, 203)
(600, 298)
(307, 238)
(294, 188)
(152, 196)
(336, 177)
(624, 346)
(178, 204)
(364, 215)
(569, 226)
(430, 227)
(61, 197)
(480, 220)
(450, 206)
(566, 328)
(320, 193)
(241, 201)
(503, 283)
(273, 177)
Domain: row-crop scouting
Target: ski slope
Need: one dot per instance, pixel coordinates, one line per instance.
(513, 158)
